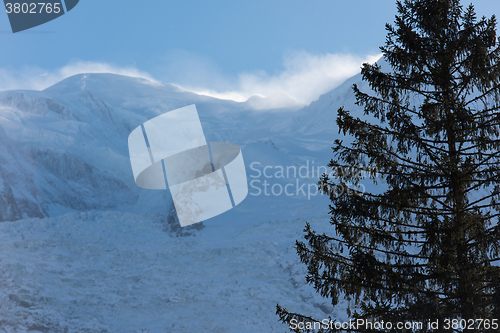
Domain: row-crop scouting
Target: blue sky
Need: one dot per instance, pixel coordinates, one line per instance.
(227, 48)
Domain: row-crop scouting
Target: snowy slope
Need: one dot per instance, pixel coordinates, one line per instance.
(107, 256)
(121, 272)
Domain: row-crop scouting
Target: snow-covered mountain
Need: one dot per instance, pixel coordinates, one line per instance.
(83, 249)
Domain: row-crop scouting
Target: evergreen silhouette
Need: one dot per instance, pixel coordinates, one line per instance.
(426, 246)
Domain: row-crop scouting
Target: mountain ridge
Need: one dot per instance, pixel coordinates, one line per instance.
(83, 121)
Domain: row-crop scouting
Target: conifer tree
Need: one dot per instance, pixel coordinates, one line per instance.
(426, 246)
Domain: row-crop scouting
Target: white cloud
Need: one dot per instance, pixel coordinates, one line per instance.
(35, 78)
(304, 78)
